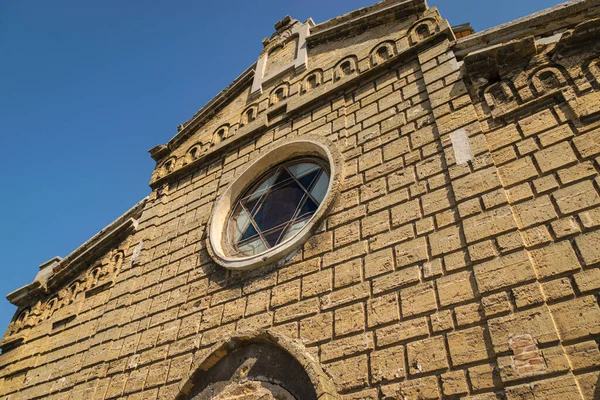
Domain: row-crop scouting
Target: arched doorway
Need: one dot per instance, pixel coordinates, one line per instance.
(257, 366)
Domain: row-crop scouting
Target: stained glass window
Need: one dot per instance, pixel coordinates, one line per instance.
(277, 206)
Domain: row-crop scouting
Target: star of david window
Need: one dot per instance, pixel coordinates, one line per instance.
(278, 205)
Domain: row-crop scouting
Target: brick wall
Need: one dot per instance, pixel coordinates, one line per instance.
(428, 279)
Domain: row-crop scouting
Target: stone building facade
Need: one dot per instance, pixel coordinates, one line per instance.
(453, 251)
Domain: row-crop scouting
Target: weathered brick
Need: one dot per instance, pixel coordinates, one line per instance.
(411, 252)
(417, 299)
(536, 322)
(383, 309)
(577, 318)
(402, 331)
(455, 288)
(534, 212)
(347, 347)
(297, 310)
(379, 262)
(576, 197)
(555, 157)
(427, 355)
(469, 346)
(488, 224)
(445, 241)
(349, 319)
(503, 271)
(317, 328)
(350, 373)
(454, 383)
(388, 364)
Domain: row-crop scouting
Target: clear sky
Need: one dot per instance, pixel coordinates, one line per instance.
(87, 87)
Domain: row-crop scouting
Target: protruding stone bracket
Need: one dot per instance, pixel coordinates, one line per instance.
(485, 65)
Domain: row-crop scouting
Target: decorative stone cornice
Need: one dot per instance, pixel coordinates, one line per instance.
(357, 21)
(542, 23)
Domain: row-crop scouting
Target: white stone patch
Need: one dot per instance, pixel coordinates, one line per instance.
(461, 146)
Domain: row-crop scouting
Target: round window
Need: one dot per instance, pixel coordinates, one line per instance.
(277, 206)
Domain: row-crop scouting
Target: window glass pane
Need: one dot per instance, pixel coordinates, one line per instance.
(279, 206)
(308, 179)
(295, 228)
(241, 223)
(302, 169)
(272, 237)
(253, 247)
(308, 208)
(261, 189)
(250, 233)
(320, 189)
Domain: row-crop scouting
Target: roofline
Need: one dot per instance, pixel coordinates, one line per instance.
(61, 270)
(531, 25)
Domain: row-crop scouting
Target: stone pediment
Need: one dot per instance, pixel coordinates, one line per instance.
(261, 96)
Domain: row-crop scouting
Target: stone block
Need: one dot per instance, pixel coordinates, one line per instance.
(554, 259)
(402, 331)
(554, 157)
(418, 299)
(455, 288)
(347, 347)
(588, 247)
(316, 328)
(382, 309)
(536, 322)
(488, 224)
(349, 319)
(427, 355)
(577, 318)
(350, 373)
(576, 197)
(469, 346)
(533, 212)
(454, 383)
(388, 364)
(503, 271)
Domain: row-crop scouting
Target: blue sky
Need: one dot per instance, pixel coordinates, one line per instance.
(87, 87)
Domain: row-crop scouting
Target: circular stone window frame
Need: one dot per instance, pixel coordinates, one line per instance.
(297, 147)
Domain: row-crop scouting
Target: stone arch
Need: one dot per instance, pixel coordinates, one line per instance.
(498, 94)
(422, 29)
(168, 166)
(592, 71)
(345, 67)
(193, 386)
(312, 80)
(193, 153)
(249, 114)
(220, 134)
(547, 78)
(280, 93)
(382, 52)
